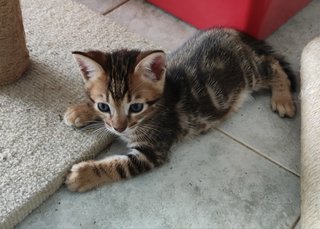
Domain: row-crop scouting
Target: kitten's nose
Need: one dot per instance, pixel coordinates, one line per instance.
(119, 129)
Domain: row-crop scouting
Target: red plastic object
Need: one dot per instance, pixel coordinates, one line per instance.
(256, 17)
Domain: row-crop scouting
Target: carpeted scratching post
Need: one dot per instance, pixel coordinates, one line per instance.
(310, 135)
(14, 58)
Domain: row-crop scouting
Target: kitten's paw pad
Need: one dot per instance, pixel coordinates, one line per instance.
(79, 115)
(284, 105)
(82, 177)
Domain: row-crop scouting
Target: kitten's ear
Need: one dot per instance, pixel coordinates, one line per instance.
(152, 66)
(88, 67)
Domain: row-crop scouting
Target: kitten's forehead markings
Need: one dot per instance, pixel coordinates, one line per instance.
(117, 89)
(118, 81)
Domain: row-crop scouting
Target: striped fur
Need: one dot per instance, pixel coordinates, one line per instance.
(187, 94)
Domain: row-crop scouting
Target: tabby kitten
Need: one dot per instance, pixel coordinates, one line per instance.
(152, 102)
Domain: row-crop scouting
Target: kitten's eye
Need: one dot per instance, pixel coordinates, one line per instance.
(136, 107)
(103, 107)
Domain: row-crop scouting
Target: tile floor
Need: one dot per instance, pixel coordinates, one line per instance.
(243, 175)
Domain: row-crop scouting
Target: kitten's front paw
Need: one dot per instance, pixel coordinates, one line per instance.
(284, 105)
(79, 115)
(82, 177)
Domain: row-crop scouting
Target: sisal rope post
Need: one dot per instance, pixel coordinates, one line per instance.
(14, 58)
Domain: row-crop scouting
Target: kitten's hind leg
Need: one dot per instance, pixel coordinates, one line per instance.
(80, 115)
(282, 99)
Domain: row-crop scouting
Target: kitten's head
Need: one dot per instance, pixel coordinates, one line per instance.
(123, 85)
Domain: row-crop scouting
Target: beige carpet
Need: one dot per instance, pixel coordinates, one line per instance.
(36, 148)
(310, 135)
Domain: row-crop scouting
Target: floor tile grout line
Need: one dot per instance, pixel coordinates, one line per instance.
(295, 223)
(259, 153)
(114, 8)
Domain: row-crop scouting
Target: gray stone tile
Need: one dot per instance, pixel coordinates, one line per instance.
(255, 124)
(152, 23)
(210, 181)
(258, 127)
(293, 36)
(101, 6)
